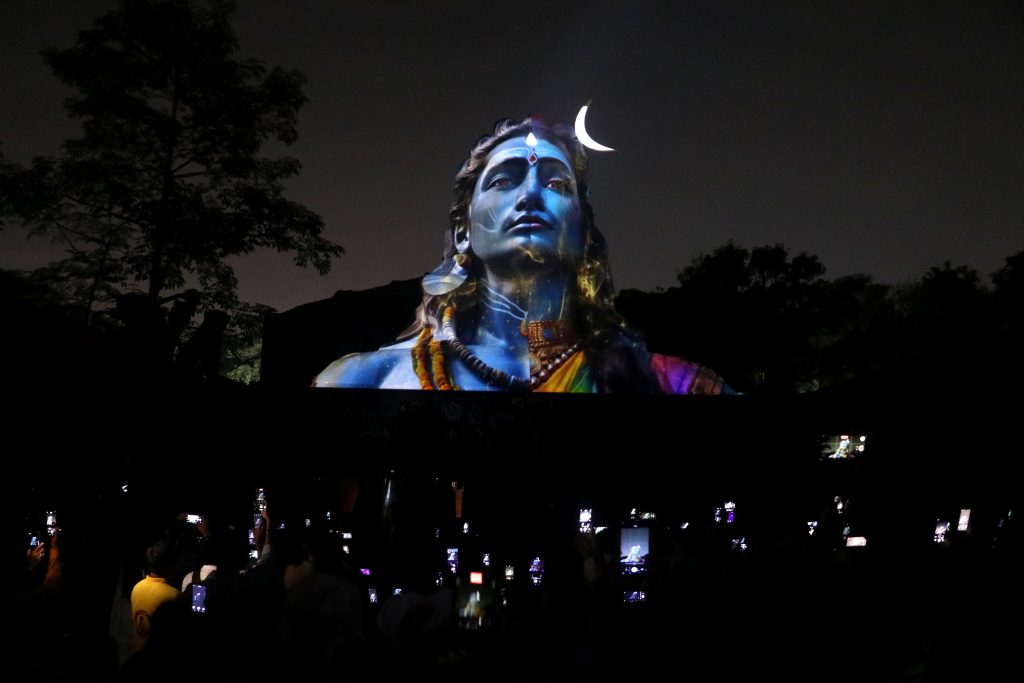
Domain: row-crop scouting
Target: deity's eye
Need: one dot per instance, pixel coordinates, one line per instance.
(499, 183)
(558, 185)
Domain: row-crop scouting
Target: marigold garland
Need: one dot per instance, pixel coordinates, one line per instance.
(437, 365)
(420, 357)
(429, 364)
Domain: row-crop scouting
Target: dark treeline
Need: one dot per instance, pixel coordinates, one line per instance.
(771, 323)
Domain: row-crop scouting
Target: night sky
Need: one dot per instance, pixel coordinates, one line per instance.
(885, 137)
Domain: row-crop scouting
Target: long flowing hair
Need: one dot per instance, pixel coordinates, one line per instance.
(615, 351)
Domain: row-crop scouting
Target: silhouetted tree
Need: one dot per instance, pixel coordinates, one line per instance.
(769, 323)
(749, 314)
(857, 323)
(1009, 291)
(945, 316)
(1008, 306)
(7, 170)
(167, 179)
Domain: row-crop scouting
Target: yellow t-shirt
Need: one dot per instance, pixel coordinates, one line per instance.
(147, 595)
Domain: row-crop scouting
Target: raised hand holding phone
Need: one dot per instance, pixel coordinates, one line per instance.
(35, 555)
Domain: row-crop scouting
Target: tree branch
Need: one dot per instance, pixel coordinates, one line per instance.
(183, 165)
(109, 212)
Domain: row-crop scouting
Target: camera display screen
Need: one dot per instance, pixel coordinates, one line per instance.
(473, 605)
(198, 598)
(634, 547)
(536, 571)
(842, 446)
(193, 519)
(586, 520)
(634, 596)
(964, 523)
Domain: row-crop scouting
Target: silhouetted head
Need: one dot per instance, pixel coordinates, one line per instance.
(158, 559)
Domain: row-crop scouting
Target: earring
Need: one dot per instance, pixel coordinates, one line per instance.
(451, 273)
(462, 258)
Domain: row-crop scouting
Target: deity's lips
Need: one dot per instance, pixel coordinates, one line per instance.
(529, 222)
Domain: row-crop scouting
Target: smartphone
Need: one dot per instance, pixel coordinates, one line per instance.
(633, 550)
(51, 522)
(258, 507)
(193, 519)
(373, 596)
(33, 540)
(474, 605)
(536, 571)
(198, 598)
(586, 520)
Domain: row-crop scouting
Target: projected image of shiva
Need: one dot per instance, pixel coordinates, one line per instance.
(523, 298)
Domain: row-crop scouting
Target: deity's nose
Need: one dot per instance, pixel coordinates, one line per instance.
(531, 195)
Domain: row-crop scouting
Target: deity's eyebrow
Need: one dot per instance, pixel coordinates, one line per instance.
(512, 163)
(547, 162)
(508, 161)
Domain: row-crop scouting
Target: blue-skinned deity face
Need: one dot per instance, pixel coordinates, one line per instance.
(525, 212)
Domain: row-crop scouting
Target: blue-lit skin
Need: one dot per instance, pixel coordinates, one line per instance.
(526, 235)
(525, 218)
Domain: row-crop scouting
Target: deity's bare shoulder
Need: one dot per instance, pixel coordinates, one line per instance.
(386, 368)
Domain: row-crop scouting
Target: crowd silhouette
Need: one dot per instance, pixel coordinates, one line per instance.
(373, 591)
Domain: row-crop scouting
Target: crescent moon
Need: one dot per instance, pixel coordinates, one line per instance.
(584, 137)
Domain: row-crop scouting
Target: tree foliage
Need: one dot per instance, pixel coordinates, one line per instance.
(769, 323)
(765, 320)
(167, 178)
(749, 314)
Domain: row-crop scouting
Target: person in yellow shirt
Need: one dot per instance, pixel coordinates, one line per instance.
(152, 591)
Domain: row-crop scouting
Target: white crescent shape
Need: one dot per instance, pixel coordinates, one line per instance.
(584, 137)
